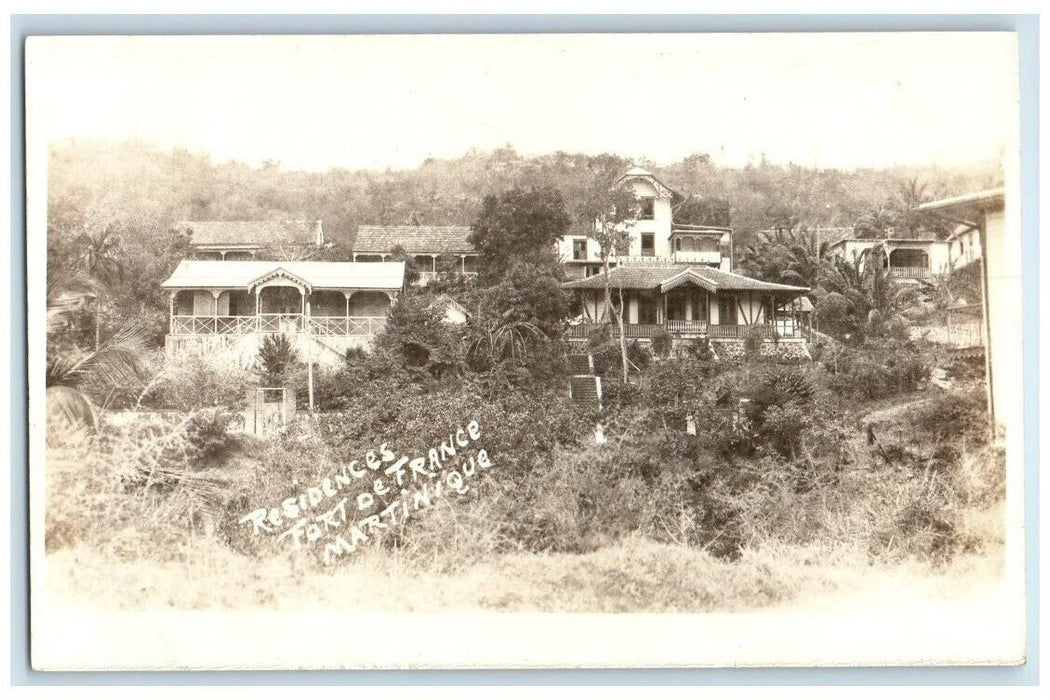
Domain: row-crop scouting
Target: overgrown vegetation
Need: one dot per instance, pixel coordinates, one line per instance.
(717, 458)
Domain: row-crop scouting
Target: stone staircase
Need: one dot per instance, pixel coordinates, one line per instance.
(585, 388)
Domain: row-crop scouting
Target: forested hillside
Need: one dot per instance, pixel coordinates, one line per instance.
(116, 202)
(134, 179)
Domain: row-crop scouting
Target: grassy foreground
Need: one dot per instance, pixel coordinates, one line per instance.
(636, 575)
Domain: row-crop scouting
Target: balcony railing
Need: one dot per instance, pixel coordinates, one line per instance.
(345, 325)
(708, 257)
(277, 323)
(280, 323)
(697, 327)
(910, 273)
(767, 331)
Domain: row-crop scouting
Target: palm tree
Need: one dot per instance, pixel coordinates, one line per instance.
(786, 256)
(806, 256)
(766, 258)
(874, 301)
(74, 376)
(100, 259)
(877, 222)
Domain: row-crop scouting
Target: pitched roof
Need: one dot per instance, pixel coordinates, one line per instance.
(667, 277)
(972, 200)
(259, 233)
(637, 172)
(245, 274)
(446, 300)
(414, 239)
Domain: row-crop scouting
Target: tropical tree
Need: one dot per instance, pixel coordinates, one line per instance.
(76, 380)
(787, 256)
(604, 210)
(518, 225)
(876, 222)
(859, 295)
(101, 259)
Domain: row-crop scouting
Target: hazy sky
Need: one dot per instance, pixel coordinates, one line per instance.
(312, 103)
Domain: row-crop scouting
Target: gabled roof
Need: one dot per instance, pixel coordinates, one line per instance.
(252, 233)
(246, 274)
(667, 277)
(641, 173)
(414, 239)
(444, 301)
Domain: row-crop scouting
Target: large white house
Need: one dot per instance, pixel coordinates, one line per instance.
(654, 237)
(678, 280)
(225, 308)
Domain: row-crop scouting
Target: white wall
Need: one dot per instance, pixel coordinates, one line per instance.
(659, 225)
(203, 303)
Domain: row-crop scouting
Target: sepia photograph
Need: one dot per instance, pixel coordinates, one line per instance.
(548, 350)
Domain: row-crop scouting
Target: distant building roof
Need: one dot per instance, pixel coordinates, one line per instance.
(252, 233)
(246, 274)
(876, 241)
(667, 277)
(414, 239)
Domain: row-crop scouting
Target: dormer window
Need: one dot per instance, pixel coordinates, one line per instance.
(647, 208)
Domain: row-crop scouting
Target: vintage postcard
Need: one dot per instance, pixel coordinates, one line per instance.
(466, 351)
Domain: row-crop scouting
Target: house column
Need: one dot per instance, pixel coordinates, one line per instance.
(689, 304)
(302, 310)
(463, 264)
(171, 313)
(346, 322)
(215, 294)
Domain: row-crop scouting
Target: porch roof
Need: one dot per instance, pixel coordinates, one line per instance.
(245, 274)
(667, 277)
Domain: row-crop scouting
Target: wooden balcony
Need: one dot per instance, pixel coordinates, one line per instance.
(277, 323)
(910, 273)
(694, 329)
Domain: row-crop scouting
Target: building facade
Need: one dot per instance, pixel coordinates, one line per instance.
(434, 250)
(906, 259)
(653, 236)
(248, 240)
(690, 301)
(225, 308)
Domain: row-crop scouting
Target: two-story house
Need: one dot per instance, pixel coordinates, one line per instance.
(248, 240)
(433, 249)
(654, 237)
(678, 279)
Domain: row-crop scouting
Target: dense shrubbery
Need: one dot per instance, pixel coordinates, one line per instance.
(875, 370)
(196, 382)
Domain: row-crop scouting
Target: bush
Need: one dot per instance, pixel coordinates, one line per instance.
(877, 370)
(700, 349)
(662, 342)
(277, 361)
(208, 438)
(197, 382)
